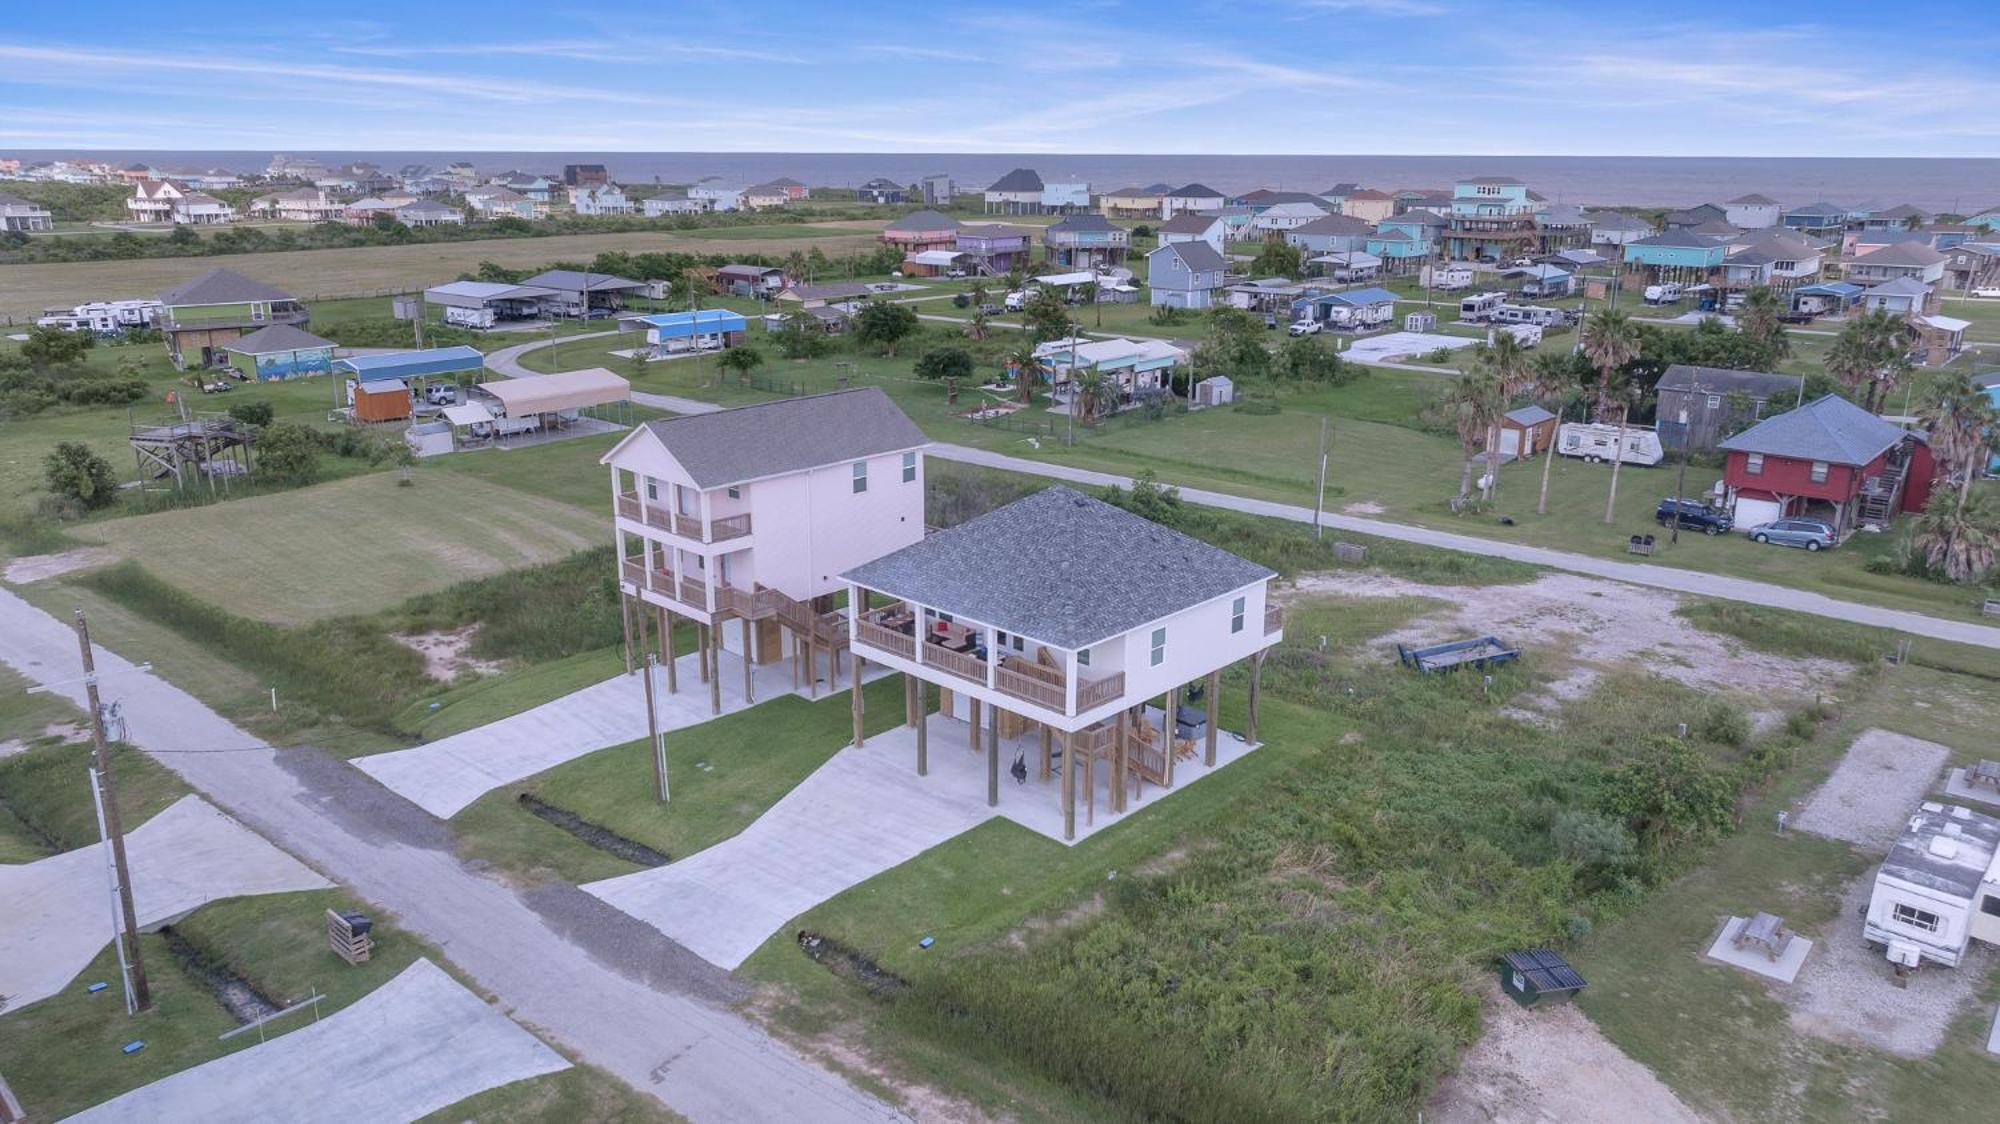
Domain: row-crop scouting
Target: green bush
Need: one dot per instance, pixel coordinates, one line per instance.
(289, 453)
(1724, 724)
(252, 413)
(1592, 839)
(75, 473)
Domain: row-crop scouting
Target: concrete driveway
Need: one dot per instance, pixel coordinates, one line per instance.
(419, 1043)
(57, 912)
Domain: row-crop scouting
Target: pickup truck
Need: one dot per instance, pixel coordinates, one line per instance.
(1695, 516)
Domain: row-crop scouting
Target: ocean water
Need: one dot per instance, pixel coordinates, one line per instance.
(1959, 185)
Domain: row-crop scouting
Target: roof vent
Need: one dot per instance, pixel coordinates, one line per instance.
(1959, 813)
(1933, 806)
(1953, 830)
(1943, 848)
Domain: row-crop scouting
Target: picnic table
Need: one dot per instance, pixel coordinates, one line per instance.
(1986, 772)
(1766, 930)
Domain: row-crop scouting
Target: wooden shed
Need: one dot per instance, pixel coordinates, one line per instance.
(1538, 977)
(381, 400)
(1526, 432)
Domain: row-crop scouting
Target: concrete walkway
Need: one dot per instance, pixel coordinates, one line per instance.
(863, 812)
(444, 776)
(646, 1011)
(57, 913)
(1636, 573)
(419, 1043)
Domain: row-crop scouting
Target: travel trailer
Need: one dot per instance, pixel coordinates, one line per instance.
(1663, 294)
(1938, 889)
(1449, 277)
(1538, 315)
(1596, 441)
(481, 317)
(1480, 306)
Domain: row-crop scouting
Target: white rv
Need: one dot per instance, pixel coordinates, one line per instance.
(1663, 294)
(481, 317)
(1937, 889)
(1598, 441)
(1448, 277)
(1539, 315)
(1480, 306)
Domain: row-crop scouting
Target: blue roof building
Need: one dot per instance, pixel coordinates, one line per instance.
(703, 329)
(412, 364)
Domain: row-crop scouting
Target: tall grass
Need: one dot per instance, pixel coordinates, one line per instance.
(540, 613)
(347, 668)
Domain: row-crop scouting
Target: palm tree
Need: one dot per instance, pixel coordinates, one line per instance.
(1511, 367)
(977, 326)
(1847, 359)
(1610, 340)
(1630, 395)
(978, 294)
(1473, 406)
(1959, 539)
(1871, 355)
(1087, 393)
(1088, 291)
(1758, 318)
(1554, 379)
(795, 266)
(1028, 367)
(1960, 420)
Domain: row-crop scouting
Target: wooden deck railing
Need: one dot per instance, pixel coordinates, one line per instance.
(694, 593)
(887, 639)
(961, 664)
(1274, 619)
(628, 506)
(729, 527)
(634, 571)
(1028, 687)
(1095, 692)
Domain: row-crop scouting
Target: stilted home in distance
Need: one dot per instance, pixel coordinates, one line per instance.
(1062, 616)
(752, 514)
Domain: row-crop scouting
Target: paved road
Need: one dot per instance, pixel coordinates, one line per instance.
(614, 992)
(1637, 573)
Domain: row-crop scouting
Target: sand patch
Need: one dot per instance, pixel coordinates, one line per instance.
(41, 567)
(1847, 992)
(1872, 792)
(1532, 1067)
(445, 653)
(1583, 626)
(1364, 507)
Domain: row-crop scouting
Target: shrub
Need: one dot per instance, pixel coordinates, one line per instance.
(288, 452)
(1669, 795)
(947, 362)
(101, 392)
(1724, 724)
(1592, 840)
(253, 413)
(76, 474)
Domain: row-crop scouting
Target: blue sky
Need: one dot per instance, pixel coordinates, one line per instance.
(1248, 76)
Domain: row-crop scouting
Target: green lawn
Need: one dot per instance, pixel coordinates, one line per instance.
(45, 794)
(1724, 1041)
(351, 546)
(723, 773)
(493, 697)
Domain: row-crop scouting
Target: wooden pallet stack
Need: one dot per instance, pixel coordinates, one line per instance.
(349, 935)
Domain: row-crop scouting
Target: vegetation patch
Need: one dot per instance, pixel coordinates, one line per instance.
(843, 961)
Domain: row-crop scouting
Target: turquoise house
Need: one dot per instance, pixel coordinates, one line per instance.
(1402, 244)
(1676, 255)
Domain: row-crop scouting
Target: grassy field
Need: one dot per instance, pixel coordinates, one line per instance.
(352, 546)
(314, 274)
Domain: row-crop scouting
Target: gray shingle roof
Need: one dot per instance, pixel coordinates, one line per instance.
(573, 280)
(1618, 220)
(791, 435)
(1020, 179)
(1830, 429)
(1079, 223)
(1529, 415)
(1334, 224)
(1722, 380)
(924, 220)
(1678, 236)
(1196, 255)
(1197, 191)
(1062, 568)
(221, 286)
(1908, 253)
(1188, 222)
(277, 337)
(1755, 200)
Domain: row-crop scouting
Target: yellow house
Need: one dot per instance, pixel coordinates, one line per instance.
(1129, 203)
(1369, 205)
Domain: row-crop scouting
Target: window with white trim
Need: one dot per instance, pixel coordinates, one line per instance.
(1715, 401)
(860, 476)
(1236, 615)
(735, 493)
(1905, 914)
(652, 490)
(1159, 646)
(909, 468)
(1753, 464)
(1819, 471)
(1083, 660)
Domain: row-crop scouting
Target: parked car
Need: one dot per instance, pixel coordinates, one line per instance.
(1270, 320)
(954, 273)
(1987, 293)
(1695, 516)
(1811, 534)
(599, 314)
(990, 309)
(1306, 327)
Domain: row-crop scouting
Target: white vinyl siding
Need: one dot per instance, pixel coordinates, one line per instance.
(1159, 646)
(860, 477)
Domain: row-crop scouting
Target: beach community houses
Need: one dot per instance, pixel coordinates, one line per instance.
(17, 214)
(1186, 274)
(166, 201)
(201, 319)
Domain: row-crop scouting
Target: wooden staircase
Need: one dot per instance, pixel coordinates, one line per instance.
(1882, 494)
(827, 630)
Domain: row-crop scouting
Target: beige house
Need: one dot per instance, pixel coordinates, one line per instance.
(1369, 205)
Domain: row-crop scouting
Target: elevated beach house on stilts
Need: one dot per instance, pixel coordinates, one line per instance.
(752, 515)
(1060, 617)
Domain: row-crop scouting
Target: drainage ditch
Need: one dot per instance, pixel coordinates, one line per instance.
(846, 962)
(237, 995)
(598, 836)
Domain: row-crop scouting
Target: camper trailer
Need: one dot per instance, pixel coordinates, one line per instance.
(1527, 335)
(1937, 889)
(1480, 307)
(1449, 277)
(1538, 315)
(1597, 441)
(481, 317)
(1663, 294)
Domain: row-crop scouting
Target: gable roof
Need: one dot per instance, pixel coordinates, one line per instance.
(1529, 415)
(924, 221)
(1830, 429)
(222, 286)
(1190, 222)
(1721, 380)
(1900, 287)
(1196, 191)
(1020, 179)
(1335, 224)
(1617, 220)
(1754, 200)
(789, 435)
(1820, 210)
(1678, 237)
(1197, 256)
(1082, 223)
(574, 280)
(1910, 252)
(277, 337)
(1061, 567)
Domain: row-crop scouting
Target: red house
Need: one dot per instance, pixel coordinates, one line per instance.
(1828, 459)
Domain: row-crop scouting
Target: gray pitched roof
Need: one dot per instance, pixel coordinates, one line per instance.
(573, 281)
(1830, 429)
(1083, 222)
(789, 435)
(1909, 253)
(1334, 224)
(1755, 200)
(1062, 568)
(1529, 415)
(221, 286)
(924, 220)
(1196, 255)
(1020, 179)
(1722, 380)
(1188, 222)
(1196, 191)
(277, 337)
(1618, 220)
(1678, 236)
(1901, 287)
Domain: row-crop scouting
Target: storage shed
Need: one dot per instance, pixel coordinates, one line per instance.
(382, 400)
(1526, 431)
(1215, 390)
(1538, 977)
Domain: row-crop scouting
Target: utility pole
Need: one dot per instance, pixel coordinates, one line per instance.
(653, 732)
(114, 822)
(1680, 485)
(1319, 498)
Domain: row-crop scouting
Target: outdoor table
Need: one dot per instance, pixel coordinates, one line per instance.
(1987, 772)
(1767, 930)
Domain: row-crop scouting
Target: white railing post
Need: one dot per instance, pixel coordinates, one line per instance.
(992, 658)
(1070, 683)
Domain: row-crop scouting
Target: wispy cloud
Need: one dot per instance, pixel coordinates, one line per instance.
(582, 50)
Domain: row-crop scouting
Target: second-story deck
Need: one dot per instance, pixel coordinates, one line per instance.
(721, 528)
(959, 652)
